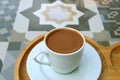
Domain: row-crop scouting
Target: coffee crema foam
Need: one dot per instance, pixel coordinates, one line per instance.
(64, 41)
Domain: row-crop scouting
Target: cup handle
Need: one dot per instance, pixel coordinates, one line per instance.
(40, 62)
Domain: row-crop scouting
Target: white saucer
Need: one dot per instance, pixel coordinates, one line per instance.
(89, 69)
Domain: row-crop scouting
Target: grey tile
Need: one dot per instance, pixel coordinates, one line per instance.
(3, 38)
(17, 52)
(115, 34)
(7, 18)
(4, 2)
(2, 12)
(8, 73)
(14, 46)
(110, 26)
(14, 53)
(11, 7)
(83, 21)
(23, 44)
(1, 64)
(113, 28)
(3, 31)
(110, 15)
(8, 9)
(1, 77)
(8, 61)
(111, 37)
(104, 43)
(34, 20)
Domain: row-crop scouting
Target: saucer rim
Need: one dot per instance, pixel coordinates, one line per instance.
(100, 63)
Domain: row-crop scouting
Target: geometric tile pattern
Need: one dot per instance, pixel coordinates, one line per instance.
(8, 10)
(13, 51)
(110, 15)
(101, 22)
(31, 24)
(8, 67)
(52, 14)
(35, 26)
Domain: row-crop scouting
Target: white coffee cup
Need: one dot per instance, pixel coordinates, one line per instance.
(62, 62)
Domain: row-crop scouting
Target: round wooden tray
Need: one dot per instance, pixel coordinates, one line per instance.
(110, 57)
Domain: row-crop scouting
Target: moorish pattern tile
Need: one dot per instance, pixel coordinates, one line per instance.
(8, 10)
(58, 14)
(9, 61)
(34, 25)
(31, 21)
(91, 16)
(110, 15)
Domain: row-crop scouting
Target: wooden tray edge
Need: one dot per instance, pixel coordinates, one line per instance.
(22, 53)
(32, 43)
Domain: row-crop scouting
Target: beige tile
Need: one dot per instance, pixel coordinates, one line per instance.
(15, 36)
(101, 36)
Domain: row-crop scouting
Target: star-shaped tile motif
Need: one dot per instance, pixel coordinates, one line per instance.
(62, 14)
(58, 14)
(34, 24)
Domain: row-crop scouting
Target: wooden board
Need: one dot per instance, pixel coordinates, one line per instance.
(110, 57)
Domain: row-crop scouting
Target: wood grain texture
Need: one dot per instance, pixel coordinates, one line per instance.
(110, 57)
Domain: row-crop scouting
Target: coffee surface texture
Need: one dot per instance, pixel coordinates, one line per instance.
(64, 41)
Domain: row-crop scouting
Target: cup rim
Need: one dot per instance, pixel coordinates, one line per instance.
(64, 54)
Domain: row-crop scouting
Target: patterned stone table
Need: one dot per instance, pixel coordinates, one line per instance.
(22, 20)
